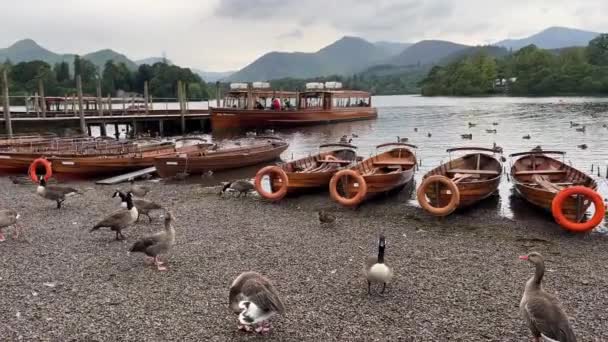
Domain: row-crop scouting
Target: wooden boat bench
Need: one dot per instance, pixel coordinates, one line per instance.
(475, 172)
(539, 172)
(393, 162)
(337, 161)
(545, 183)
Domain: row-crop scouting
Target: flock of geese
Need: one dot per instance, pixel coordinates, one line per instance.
(254, 298)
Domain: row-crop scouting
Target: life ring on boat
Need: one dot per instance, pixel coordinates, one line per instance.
(425, 203)
(562, 220)
(330, 157)
(336, 196)
(268, 171)
(34, 165)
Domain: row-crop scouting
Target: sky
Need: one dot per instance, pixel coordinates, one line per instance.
(220, 35)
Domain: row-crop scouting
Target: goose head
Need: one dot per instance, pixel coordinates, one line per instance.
(534, 257)
(381, 248)
(123, 198)
(538, 261)
(41, 181)
(129, 200)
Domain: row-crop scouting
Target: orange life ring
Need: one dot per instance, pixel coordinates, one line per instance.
(426, 205)
(330, 157)
(270, 170)
(34, 165)
(562, 220)
(348, 202)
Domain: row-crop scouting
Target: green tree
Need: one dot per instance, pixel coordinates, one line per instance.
(62, 71)
(597, 50)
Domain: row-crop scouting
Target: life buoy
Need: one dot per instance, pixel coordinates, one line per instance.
(562, 220)
(269, 171)
(34, 165)
(348, 202)
(330, 157)
(438, 211)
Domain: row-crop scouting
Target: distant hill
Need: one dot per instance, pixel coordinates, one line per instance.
(28, 50)
(153, 60)
(347, 55)
(99, 58)
(427, 52)
(494, 51)
(551, 38)
(392, 48)
(213, 76)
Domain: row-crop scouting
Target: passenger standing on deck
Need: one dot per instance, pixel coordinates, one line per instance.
(276, 104)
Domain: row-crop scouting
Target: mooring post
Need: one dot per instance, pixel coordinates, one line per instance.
(146, 97)
(99, 103)
(36, 104)
(134, 123)
(65, 104)
(7, 105)
(182, 107)
(42, 99)
(124, 105)
(110, 105)
(83, 124)
(116, 132)
(218, 94)
(161, 127)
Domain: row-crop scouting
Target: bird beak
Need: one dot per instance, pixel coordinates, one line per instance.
(523, 257)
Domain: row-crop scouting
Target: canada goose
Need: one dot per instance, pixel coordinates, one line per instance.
(354, 135)
(494, 123)
(9, 217)
(582, 146)
(429, 134)
(402, 140)
(491, 131)
(581, 129)
(415, 129)
(574, 124)
(241, 186)
(120, 219)
(376, 271)
(527, 137)
(325, 217)
(138, 189)
(255, 299)
(472, 124)
(467, 136)
(144, 207)
(541, 311)
(160, 243)
(54, 192)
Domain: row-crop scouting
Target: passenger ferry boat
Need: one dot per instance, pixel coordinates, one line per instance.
(258, 106)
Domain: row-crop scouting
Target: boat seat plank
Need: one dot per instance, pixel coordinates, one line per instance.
(338, 161)
(545, 183)
(394, 161)
(539, 172)
(459, 177)
(474, 172)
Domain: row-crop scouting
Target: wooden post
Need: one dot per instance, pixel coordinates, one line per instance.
(74, 109)
(36, 104)
(65, 104)
(99, 102)
(110, 105)
(218, 94)
(146, 97)
(134, 123)
(83, 124)
(151, 103)
(116, 131)
(42, 100)
(124, 106)
(7, 105)
(182, 107)
(161, 128)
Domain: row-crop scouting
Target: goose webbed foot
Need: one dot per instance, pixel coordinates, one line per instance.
(59, 204)
(159, 264)
(2, 238)
(245, 327)
(263, 328)
(149, 218)
(383, 287)
(369, 287)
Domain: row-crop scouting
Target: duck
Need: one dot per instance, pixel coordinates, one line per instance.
(541, 311)
(9, 217)
(429, 134)
(415, 129)
(54, 192)
(402, 140)
(582, 146)
(241, 186)
(376, 271)
(144, 207)
(120, 220)
(155, 245)
(472, 124)
(255, 299)
(581, 129)
(494, 123)
(467, 136)
(527, 137)
(138, 189)
(354, 135)
(325, 217)
(491, 131)
(574, 124)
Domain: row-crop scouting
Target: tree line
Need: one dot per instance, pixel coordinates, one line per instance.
(528, 72)
(60, 79)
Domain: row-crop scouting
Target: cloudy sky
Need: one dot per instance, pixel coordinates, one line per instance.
(216, 35)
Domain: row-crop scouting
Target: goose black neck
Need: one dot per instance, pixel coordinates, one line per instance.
(381, 254)
(129, 203)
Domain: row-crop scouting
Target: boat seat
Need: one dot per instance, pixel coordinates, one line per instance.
(337, 161)
(539, 172)
(544, 182)
(475, 172)
(393, 161)
(459, 177)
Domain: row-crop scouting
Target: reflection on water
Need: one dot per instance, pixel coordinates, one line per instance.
(546, 120)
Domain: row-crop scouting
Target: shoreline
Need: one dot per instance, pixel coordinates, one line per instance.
(455, 279)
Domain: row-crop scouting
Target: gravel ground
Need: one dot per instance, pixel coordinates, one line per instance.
(456, 279)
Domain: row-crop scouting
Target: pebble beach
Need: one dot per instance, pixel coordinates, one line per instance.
(456, 279)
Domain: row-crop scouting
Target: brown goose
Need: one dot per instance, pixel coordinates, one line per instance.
(144, 207)
(54, 192)
(326, 217)
(376, 271)
(9, 217)
(160, 243)
(241, 186)
(542, 311)
(120, 219)
(255, 299)
(138, 190)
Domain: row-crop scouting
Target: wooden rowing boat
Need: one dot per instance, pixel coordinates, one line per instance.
(385, 172)
(476, 176)
(315, 172)
(538, 178)
(264, 150)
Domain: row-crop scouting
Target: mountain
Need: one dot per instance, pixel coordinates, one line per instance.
(551, 38)
(99, 58)
(392, 48)
(28, 50)
(347, 55)
(494, 51)
(153, 60)
(213, 76)
(426, 52)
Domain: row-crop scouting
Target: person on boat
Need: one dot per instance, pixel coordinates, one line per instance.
(287, 104)
(361, 103)
(276, 104)
(258, 105)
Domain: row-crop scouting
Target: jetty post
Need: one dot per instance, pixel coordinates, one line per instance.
(146, 96)
(83, 123)
(182, 107)
(102, 127)
(42, 99)
(218, 94)
(7, 105)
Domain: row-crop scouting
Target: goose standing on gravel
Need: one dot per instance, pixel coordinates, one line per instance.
(160, 243)
(120, 220)
(9, 217)
(138, 190)
(255, 299)
(54, 192)
(376, 271)
(325, 217)
(241, 186)
(542, 311)
(144, 207)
